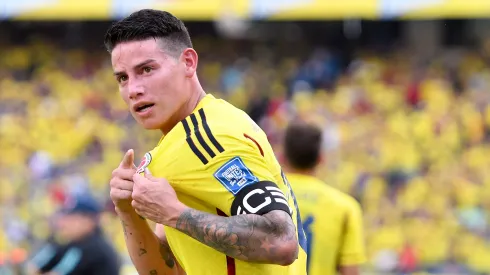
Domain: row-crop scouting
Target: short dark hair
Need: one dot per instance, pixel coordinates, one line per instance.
(302, 145)
(146, 24)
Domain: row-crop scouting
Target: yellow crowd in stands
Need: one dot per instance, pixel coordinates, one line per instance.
(442, 212)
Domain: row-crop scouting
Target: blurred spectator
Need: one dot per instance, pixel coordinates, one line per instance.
(78, 245)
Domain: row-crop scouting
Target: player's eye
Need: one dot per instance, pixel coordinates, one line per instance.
(122, 78)
(147, 69)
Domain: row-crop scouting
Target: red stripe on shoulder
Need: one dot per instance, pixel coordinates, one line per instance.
(256, 143)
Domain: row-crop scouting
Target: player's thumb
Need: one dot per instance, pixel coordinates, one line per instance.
(137, 179)
(128, 160)
(148, 175)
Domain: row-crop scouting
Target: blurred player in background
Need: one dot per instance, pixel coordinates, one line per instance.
(235, 212)
(331, 219)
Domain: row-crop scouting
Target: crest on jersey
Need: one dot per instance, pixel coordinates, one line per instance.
(234, 175)
(144, 163)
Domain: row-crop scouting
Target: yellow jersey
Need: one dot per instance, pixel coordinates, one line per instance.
(332, 222)
(208, 158)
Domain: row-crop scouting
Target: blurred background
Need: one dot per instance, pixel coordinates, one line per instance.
(401, 89)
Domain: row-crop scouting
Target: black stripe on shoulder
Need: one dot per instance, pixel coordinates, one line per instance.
(191, 143)
(209, 133)
(200, 138)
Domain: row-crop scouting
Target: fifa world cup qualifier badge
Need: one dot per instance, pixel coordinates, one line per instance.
(144, 163)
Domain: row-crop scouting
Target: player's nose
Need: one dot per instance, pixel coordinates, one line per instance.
(135, 90)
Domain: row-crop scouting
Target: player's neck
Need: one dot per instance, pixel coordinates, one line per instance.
(306, 172)
(188, 108)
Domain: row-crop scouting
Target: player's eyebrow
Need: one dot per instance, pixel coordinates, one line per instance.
(137, 66)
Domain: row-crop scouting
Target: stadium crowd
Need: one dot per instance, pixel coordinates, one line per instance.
(409, 140)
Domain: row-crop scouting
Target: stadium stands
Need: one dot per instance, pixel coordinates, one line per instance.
(410, 143)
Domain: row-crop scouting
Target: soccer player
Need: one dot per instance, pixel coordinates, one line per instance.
(216, 190)
(331, 219)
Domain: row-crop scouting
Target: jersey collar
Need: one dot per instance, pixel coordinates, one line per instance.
(204, 101)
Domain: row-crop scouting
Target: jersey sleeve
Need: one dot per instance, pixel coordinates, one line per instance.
(228, 172)
(352, 252)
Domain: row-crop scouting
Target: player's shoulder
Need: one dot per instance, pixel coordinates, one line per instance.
(340, 196)
(228, 120)
(217, 117)
(225, 124)
(332, 195)
(214, 128)
(344, 200)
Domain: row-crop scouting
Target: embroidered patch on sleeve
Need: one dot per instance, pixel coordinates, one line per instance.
(234, 175)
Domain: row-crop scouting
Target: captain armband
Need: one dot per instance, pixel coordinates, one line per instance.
(260, 198)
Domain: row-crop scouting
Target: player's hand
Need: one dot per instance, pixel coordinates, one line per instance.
(122, 182)
(155, 199)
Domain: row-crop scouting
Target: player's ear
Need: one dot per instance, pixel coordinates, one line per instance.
(321, 160)
(190, 59)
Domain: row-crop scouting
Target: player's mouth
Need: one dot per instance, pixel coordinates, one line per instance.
(144, 108)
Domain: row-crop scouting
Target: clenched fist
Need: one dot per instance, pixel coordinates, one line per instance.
(122, 182)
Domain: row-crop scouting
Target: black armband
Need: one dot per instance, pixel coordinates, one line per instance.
(260, 198)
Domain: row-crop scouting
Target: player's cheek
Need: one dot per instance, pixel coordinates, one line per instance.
(160, 114)
(124, 93)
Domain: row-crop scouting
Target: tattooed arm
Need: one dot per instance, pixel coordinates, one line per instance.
(149, 255)
(165, 251)
(270, 238)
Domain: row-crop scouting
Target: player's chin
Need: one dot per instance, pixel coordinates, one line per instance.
(152, 120)
(150, 124)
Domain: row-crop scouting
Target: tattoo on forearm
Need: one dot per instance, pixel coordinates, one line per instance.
(142, 252)
(245, 237)
(125, 230)
(166, 255)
